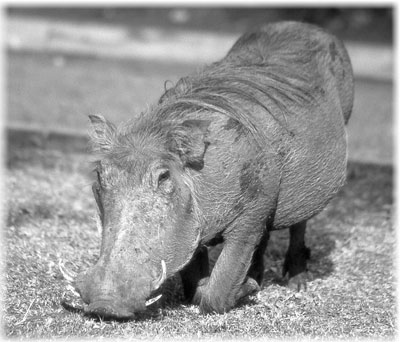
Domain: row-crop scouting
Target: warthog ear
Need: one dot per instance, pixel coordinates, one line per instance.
(189, 142)
(102, 133)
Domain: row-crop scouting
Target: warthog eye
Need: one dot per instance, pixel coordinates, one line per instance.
(164, 182)
(163, 177)
(96, 188)
(97, 171)
(97, 197)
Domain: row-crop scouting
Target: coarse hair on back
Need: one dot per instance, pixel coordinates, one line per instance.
(233, 89)
(247, 79)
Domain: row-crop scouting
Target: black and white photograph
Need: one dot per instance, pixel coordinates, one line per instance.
(216, 171)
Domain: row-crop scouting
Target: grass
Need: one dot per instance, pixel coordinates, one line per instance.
(57, 90)
(351, 294)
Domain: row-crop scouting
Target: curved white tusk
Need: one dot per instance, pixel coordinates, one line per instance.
(153, 300)
(162, 278)
(68, 275)
(164, 268)
(72, 289)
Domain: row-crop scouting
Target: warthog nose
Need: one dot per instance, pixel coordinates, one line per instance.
(107, 309)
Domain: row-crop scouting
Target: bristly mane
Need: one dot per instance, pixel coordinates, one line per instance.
(231, 89)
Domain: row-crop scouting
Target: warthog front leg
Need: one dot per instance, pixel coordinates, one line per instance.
(228, 281)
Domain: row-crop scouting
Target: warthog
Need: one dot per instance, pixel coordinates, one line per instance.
(253, 143)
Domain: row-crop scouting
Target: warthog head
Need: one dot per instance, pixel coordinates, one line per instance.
(147, 210)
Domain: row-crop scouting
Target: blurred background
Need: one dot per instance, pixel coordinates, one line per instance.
(66, 63)
(365, 24)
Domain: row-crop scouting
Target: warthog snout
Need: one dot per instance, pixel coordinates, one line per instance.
(109, 296)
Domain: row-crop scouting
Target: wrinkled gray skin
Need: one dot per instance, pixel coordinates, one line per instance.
(252, 143)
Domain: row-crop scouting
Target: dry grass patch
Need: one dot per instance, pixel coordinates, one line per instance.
(351, 294)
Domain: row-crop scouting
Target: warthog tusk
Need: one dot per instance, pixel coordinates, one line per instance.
(72, 289)
(152, 300)
(68, 275)
(163, 276)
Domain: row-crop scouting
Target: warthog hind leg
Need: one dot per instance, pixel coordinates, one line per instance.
(296, 258)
